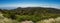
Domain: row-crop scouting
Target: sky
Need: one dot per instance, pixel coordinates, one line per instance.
(30, 3)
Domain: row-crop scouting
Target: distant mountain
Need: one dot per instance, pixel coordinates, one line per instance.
(37, 9)
(34, 9)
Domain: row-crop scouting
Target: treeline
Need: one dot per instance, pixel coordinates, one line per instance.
(31, 13)
(32, 10)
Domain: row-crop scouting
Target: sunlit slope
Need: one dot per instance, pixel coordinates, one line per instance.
(6, 20)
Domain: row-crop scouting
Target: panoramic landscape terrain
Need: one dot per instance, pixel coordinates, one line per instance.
(34, 14)
(29, 11)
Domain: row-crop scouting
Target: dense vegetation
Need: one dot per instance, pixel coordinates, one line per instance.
(31, 13)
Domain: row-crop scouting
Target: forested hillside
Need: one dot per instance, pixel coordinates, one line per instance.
(31, 13)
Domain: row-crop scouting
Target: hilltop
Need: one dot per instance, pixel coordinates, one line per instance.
(31, 13)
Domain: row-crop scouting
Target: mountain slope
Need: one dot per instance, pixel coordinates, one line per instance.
(31, 13)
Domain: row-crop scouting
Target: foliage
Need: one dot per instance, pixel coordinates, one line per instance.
(31, 13)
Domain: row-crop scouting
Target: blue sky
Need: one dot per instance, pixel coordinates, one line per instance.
(30, 3)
